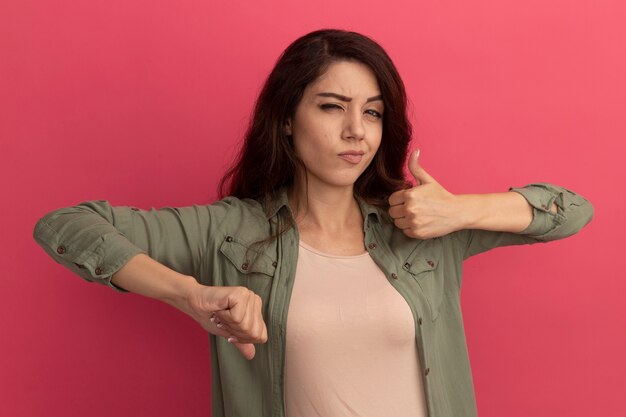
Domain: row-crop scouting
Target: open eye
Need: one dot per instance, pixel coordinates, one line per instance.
(374, 113)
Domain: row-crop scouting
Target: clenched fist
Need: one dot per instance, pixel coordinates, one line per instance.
(231, 312)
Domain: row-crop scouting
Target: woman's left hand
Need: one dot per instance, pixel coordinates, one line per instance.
(427, 210)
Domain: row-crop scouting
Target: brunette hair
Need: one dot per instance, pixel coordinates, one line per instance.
(267, 160)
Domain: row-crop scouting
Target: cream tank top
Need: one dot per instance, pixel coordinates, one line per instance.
(350, 342)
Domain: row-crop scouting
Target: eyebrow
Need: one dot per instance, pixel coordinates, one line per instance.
(348, 99)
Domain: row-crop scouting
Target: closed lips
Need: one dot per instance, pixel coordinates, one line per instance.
(354, 157)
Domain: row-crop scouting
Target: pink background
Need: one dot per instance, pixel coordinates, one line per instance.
(143, 103)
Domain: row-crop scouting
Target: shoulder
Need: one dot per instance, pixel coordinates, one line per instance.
(234, 207)
(244, 219)
(236, 210)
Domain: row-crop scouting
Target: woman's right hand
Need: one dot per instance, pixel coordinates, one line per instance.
(230, 312)
(236, 309)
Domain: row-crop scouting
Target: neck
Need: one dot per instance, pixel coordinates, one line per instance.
(325, 208)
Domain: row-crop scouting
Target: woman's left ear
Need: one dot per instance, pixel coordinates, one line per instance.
(288, 127)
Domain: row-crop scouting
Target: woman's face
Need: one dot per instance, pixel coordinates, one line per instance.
(338, 126)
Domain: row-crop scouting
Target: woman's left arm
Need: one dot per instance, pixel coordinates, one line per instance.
(538, 212)
(544, 211)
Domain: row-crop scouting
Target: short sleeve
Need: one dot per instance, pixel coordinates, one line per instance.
(94, 239)
(573, 213)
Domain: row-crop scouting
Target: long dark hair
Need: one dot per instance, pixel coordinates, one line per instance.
(267, 160)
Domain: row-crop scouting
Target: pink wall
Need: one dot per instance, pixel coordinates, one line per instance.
(142, 103)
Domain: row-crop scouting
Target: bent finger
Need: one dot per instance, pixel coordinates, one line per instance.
(397, 212)
(256, 333)
(401, 223)
(217, 329)
(259, 323)
(396, 198)
(234, 315)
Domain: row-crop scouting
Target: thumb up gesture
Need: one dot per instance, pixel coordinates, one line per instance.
(427, 210)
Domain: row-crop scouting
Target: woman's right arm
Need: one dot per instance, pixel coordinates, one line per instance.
(94, 239)
(154, 253)
(143, 275)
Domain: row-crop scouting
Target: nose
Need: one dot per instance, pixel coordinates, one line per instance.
(353, 126)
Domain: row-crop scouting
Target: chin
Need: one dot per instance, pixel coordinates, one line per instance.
(339, 178)
(345, 182)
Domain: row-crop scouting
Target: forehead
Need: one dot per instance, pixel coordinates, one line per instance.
(349, 78)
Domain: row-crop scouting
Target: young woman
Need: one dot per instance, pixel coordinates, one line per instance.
(329, 285)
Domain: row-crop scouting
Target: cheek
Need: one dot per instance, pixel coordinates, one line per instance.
(306, 148)
(312, 141)
(375, 144)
